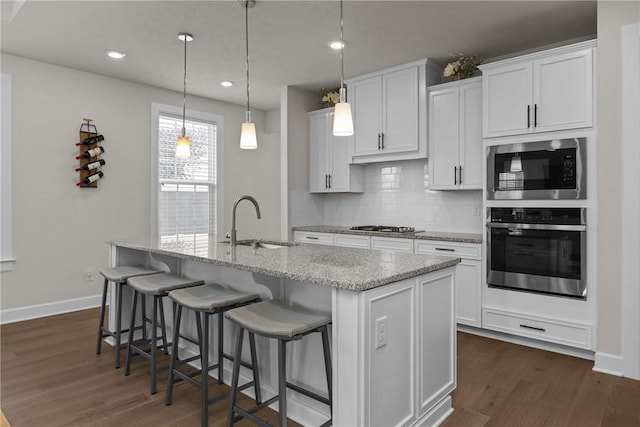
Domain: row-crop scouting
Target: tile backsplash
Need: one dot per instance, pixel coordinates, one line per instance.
(395, 193)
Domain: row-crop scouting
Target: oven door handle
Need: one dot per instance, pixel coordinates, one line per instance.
(553, 227)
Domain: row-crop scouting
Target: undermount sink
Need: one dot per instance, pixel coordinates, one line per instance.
(264, 244)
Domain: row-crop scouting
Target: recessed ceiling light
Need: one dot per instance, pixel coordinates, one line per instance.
(337, 44)
(226, 83)
(115, 54)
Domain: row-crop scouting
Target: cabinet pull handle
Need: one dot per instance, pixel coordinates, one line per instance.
(329, 180)
(528, 116)
(382, 144)
(311, 238)
(455, 175)
(326, 181)
(378, 140)
(535, 115)
(460, 175)
(534, 328)
(445, 249)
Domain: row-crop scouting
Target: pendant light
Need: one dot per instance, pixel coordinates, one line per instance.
(516, 163)
(183, 146)
(342, 120)
(248, 139)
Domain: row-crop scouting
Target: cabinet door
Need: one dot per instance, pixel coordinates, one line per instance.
(563, 91)
(468, 285)
(339, 162)
(400, 111)
(366, 99)
(443, 138)
(471, 155)
(507, 100)
(319, 126)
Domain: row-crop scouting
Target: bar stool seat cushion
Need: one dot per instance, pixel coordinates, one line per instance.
(209, 297)
(274, 318)
(124, 272)
(159, 284)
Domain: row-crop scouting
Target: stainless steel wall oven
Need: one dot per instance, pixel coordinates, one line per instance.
(538, 250)
(541, 170)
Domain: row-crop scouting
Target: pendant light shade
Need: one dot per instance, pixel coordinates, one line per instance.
(248, 138)
(183, 146)
(342, 118)
(516, 164)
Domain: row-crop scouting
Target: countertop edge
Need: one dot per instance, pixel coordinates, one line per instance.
(443, 236)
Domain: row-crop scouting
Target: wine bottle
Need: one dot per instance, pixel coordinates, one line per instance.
(91, 178)
(91, 140)
(91, 153)
(92, 165)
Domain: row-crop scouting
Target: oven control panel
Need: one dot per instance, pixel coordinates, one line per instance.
(538, 215)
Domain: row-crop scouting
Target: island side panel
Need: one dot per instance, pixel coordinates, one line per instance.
(437, 341)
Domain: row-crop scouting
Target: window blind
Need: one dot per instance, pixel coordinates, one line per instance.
(187, 187)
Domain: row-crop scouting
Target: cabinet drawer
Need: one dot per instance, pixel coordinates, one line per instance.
(352, 241)
(434, 247)
(392, 244)
(314, 238)
(557, 331)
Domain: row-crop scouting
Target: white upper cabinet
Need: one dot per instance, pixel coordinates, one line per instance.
(540, 92)
(329, 157)
(455, 135)
(389, 112)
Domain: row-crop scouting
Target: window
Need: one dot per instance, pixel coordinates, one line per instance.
(186, 190)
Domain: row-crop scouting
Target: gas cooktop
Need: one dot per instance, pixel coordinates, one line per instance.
(383, 228)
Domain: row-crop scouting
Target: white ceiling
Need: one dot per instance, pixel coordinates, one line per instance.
(288, 39)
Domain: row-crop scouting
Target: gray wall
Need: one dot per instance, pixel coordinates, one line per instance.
(612, 16)
(59, 230)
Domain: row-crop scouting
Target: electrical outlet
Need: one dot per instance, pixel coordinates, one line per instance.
(381, 332)
(476, 210)
(89, 276)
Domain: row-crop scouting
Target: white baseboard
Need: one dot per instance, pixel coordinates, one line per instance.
(611, 364)
(43, 310)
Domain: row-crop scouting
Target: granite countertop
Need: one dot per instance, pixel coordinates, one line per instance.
(421, 235)
(344, 268)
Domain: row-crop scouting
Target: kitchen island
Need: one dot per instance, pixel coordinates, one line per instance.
(392, 335)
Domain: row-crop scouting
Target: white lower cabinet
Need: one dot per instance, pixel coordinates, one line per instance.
(542, 328)
(313, 237)
(468, 284)
(352, 241)
(392, 244)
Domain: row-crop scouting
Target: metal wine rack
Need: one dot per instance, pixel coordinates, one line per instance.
(88, 130)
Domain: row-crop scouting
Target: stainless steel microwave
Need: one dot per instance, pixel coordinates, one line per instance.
(541, 170)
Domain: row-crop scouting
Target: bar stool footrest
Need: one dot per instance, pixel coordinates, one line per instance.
(308, 393)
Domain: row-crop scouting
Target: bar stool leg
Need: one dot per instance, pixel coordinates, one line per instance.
(254, 368)
(102, 310)
(118, 323)
(154, 344)
(220, 348)
(282, 382)
(204, 349)
(163, 327)
(143, 303)
(327, 363)
(132, 322)
(174, 354)
(234, 377)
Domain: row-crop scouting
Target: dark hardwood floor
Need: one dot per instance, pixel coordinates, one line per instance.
(51, 376)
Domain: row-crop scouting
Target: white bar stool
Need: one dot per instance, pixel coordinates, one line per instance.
(206, 301)
(119, 276)
(274, 319)
(157, 286)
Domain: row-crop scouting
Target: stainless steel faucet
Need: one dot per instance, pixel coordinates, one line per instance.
(233, 216)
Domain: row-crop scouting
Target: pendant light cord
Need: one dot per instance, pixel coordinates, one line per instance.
(341, 48)
(246, 33)
(184, 92)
